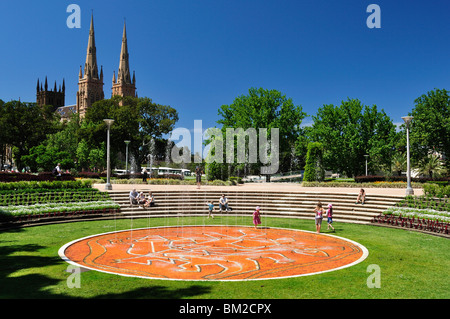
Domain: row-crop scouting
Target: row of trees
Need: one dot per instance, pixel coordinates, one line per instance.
(341, 135)
(39, 139)
(338, 139)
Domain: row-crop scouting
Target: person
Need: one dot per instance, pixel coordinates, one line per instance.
(198, 174)
(361, 196)
(150, 200)
(257, 217)
(318, 211)
(57, 171)
(223, 203)
(141, 200)
(144, 176)
(330, 216)
(210, 208)
(134, 197)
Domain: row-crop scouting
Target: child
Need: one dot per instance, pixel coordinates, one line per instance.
(210, 207)
(141, 199)
(330, 216)
(361, 197)
(318, 216)
(257, 217)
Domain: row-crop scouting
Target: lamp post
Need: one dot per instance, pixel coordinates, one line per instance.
(366, 156)
(108, 164)
(126, 157)
(409, 190)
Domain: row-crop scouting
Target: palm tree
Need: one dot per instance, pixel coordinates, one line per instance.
(398, 163)
(432, 166)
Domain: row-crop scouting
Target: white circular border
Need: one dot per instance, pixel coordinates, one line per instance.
(64, 257)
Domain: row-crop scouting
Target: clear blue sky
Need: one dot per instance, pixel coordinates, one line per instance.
(197, 55)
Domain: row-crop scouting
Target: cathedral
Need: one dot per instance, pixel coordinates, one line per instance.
(90, 81)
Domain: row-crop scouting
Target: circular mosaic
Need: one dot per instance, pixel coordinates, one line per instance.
(211, 253)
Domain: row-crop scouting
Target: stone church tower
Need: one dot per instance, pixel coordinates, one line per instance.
(124, 85)
(90, 85)
(55, 97)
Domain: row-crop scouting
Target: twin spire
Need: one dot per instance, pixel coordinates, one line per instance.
(123, 76)
(90, 84)
(91, 67)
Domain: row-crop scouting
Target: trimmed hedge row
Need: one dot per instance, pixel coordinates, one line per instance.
(379, 178)
(45, 185)
(6, 177)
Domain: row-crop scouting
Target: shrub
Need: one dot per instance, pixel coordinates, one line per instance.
(314, 170)
(6, 177)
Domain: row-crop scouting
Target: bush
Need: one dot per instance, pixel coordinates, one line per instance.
(435, 190)
(6, 177)
(314, 170)
(45, 185)
(380, 178)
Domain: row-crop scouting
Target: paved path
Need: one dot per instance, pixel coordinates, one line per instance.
(277, 187)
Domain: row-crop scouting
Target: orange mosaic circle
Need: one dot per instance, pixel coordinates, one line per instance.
(211, 253)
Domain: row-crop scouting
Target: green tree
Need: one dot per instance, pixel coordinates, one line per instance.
(399, 163)
(25, 125)
(432, 166)
(269, 109)
(314, 170)
(138, 120)
(430, 128)
(350, 131)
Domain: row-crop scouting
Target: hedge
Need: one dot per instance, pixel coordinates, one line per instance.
(45, 185)
(380, 178)
(6, 177)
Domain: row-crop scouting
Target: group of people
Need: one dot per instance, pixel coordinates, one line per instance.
(141, 200)
(319, 212)
(223, 206)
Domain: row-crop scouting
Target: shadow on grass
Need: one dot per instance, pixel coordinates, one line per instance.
(16, 258)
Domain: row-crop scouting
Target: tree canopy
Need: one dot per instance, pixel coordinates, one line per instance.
(269, 109)
(350, 131)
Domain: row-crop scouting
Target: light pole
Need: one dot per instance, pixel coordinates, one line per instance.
(126, 157)
(409, 190)
(366, 156)
(108, 164)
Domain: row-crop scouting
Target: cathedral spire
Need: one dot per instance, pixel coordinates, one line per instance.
(90, 67)
(90, 85)
(124, 67)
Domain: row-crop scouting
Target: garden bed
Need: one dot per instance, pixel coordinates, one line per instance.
(424, 213)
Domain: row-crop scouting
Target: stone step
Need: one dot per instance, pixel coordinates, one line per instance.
(277, 204)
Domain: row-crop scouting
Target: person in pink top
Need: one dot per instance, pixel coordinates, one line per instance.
(318, 214)
(330, 216)
(257, 217)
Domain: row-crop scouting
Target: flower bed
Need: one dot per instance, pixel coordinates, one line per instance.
(60, 196)
(56, 209)
(414, 218)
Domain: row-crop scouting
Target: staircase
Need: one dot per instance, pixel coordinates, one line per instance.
(272, 203)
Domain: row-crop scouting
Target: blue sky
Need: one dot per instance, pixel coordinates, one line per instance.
(197, 55)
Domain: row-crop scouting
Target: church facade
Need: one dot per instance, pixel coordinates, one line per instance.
(90, 81)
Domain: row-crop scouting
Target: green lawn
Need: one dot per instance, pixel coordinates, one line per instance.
(413, 265)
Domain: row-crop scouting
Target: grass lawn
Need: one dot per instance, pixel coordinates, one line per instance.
(413, 265)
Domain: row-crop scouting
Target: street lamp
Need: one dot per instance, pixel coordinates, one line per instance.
(126, 157)
(108, 164)
(409, 190)
(366, 156)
